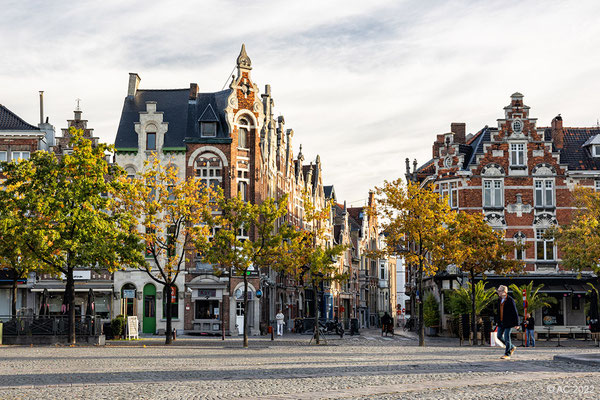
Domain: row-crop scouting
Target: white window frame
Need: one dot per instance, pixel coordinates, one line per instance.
(543, 193)
(596, 150)
(209, 174)
(203, 130)
(495, 190)
(597, 185)
(449, 190)
(3, 156)
(546, 244)
(517, 154)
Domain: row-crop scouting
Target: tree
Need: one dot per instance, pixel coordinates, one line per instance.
(579, 240)
(461, 298)
(431, 311)
(14, 255)
(173, 213)
(246, 239)
(483, 250)
(307, 257)
(66, 208)
(535, 300)
(416, 227)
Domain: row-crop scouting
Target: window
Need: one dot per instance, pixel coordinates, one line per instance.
(209, 168)
(128, 294)
(130, 172)
(492, 193)
(382, 271)
(174, 303)
(449, 191)
(243, 190)
(517, 126)
(243, 232)
(517, 154)
(544, 248)
(151, 141)
(208, 129)
(149, 242)
(596, 150)
(3, 156)
(597, 186)
(243, 129)
(207, 309)
(544, 193)
(19, 155)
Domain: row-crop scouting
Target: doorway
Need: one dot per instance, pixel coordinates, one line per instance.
(149, 321)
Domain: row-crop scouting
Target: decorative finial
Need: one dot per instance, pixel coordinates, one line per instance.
(77, 108)
(243, 61)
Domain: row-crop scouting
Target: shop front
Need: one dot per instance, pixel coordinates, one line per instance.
(207, 308)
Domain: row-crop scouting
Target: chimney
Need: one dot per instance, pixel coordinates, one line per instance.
(41, 106)
(459, 130)
(558, 134)
(134, 82)
(193, 91)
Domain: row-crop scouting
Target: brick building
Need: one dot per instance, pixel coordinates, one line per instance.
(231, 139)
(521, 177)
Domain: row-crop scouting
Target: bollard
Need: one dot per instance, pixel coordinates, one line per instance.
(174, 334)
(272, 333)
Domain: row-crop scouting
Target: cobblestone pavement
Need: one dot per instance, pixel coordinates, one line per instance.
(365, 367)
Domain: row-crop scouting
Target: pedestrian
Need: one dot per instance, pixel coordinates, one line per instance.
(530, 326)
(507, 319)
(279, 317)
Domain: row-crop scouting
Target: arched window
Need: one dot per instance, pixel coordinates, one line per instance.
(209, 168)
(128, 303)
(130, 172)
(243, 129)
(174, 303)
(151, 137)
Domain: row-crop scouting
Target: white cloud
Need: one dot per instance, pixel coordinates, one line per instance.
(363, 84)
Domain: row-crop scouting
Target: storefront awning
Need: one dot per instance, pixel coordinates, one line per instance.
(76, 289)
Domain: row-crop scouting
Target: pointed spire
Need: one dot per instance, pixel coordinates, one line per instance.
(300, 155)
(243, 61)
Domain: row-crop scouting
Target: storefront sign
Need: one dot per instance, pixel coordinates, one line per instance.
(132, 328)
(207, 292)
(129, 293)
(79, 275)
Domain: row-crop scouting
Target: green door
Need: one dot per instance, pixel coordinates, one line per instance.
(149, 322)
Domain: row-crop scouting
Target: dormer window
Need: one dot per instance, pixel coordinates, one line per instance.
(208, 129)
(593, 145)
(596, 150)
(151, 137)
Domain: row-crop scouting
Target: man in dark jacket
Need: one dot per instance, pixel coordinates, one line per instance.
(507, 318)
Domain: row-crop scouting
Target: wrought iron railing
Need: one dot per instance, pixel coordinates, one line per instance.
(49, 325)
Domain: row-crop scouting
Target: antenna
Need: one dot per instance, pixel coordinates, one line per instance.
(230, 75)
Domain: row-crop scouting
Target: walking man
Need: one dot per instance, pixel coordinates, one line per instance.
(279, 317)
(507, 319)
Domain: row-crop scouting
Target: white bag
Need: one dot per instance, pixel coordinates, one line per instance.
(494, 341)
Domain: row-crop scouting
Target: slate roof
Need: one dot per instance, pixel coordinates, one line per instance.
(182, 114)
(9, 121)
(574, 154)
(328, 190)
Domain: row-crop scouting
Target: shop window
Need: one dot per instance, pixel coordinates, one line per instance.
(553, 314)
(174, 303)
(207, 309)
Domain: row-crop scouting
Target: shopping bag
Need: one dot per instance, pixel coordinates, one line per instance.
(494, 341)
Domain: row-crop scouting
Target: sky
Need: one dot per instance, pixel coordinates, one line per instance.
(363, 84)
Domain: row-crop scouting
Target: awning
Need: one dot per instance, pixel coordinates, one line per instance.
(579, 288)
(76, 289)
(554, 289)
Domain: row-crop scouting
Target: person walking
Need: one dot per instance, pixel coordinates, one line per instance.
(529, 327)
(280, 317)
(507, 318)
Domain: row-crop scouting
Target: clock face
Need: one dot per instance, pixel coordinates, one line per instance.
(517, 126)
(448, 162)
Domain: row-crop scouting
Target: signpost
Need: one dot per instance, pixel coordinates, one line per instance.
(132, 328)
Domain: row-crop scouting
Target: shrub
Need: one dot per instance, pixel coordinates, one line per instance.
(117, 325)
(431, 312)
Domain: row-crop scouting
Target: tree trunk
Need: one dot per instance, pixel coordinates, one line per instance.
(473, 316)
(14, 295)
(168, 311)
(317, 315)
(421, 325)
(70, 302)
(245, 323)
